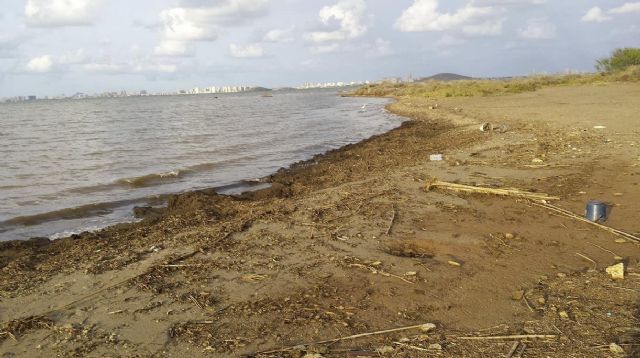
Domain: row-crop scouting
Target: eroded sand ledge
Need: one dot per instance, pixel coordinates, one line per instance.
(349, 243)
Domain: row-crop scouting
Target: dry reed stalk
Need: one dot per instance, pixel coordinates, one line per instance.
(595, 264)
(412, 347)
(517, 336)
(517, 193)
(425, 327)
(381, 272)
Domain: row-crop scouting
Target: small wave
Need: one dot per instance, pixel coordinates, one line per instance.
(145, 180)
(66, 214)
(151, 179)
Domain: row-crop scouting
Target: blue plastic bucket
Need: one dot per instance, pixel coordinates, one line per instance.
(596, 211)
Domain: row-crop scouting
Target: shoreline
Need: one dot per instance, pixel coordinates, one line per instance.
(349, 242)
(125, 209)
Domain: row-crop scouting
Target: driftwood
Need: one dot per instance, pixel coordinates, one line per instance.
(512, 192)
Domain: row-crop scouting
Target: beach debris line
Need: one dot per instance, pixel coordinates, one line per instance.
(512, 192)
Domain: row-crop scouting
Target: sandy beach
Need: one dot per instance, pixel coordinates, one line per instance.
(351, 243)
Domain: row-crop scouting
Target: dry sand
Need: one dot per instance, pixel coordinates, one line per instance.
(350, 243)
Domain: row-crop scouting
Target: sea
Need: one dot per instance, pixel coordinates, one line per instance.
(68, 166)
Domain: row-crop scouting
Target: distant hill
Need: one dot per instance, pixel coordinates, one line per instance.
(259, 89)
(445, 77)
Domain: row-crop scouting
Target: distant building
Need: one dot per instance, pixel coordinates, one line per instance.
(331, 84)
(32, 98)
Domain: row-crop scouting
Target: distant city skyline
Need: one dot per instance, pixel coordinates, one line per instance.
(189, 91)
(92, 46)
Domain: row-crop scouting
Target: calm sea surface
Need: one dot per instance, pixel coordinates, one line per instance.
(73, 165)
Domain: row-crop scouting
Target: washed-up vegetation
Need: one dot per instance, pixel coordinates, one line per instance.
(622, 66)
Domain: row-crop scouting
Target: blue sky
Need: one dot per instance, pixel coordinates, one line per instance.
(50, 47)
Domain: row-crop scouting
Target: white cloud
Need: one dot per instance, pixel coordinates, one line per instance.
(471, 19)
(510, 2)
(248, 51)
(183, 25)
(348, 14)
(279, 35)
(538, 29)
(233, 12)
(172, 49)
(595, 14)
(49, 13)
(626, 8)
(201, 20)
(73, 58)
(40, 64)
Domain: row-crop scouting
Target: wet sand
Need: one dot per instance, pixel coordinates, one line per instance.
(350, 242)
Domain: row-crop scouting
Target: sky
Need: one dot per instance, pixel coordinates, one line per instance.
(54, 47)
